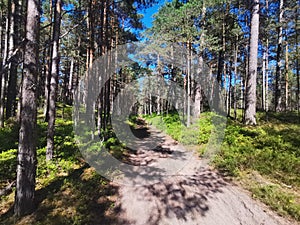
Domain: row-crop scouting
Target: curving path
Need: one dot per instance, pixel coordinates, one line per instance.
(172, 186)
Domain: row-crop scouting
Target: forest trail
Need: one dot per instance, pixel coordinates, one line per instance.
(192, 194)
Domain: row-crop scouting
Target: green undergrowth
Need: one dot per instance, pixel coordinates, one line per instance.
(200, 132)
(281, 200)
(9, 135)
(68, 190)
(271, 148)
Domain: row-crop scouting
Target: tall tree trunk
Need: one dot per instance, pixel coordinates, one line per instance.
(4, 74)
(19, 105)
(246, 71)
(263, 102)
(297, 61)
(267, 78)
(250, 110)
(229, 92)
(221, 57)
(27, 161)
(54, 80)
(90, 106)
(235, 77)
(189, 52)
(70, 85)
(278, 79)
(225, 87)
(1, 60)
(286, 77)
(100, 120)
(13, 65)
(47, 74)
(198, 96)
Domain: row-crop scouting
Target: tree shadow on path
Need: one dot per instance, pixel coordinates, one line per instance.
(179, 198)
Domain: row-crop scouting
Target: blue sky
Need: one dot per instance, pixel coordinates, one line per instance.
(148, 13)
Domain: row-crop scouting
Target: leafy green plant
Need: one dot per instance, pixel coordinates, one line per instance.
(283, 203)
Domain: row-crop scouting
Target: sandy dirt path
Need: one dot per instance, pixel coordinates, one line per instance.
(185, 190)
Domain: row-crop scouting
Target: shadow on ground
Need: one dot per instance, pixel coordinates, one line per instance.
(82, 197)
(180, 198)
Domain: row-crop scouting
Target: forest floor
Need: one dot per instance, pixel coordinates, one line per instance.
(170, 184)
(187, 190)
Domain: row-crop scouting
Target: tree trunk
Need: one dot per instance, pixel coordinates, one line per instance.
(278, 80)
(225, 87)
(267, 69)
(70, 85)
(263, 102)
(27, 161)
(246, 71)
(297, 61)
(229, 92)
(189, 46)
(235, 77)
(47, 73)
(47, 76)
(53, 81)
(287, 77)
(13, 65)
(198, 96)
(20, 98)
(4, 74)
(1, 61)
(250, 110)
(90, 106)
(1, 29)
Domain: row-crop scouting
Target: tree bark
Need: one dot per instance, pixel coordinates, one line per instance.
(13, 65)
(263, 99)
(189, 52)
(297, 61)
(286, 77)
(278, 79)
(70, 85)
(235, 77)
(53, 81)
(4, 74)
(250, 110)
(27, 161)
(267, 78)
(266, 87)
(47, 72)
(198, 96)
(1, 60)
(229, 92)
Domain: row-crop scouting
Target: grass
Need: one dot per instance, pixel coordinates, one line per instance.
(9, 136)
(270, 149)
(282, 198)
(197, 134)
(68, 191)
(265, 159)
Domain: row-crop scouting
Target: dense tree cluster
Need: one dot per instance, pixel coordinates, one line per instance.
(46, 48)
(251, 48)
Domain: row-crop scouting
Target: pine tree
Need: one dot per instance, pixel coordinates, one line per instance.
(53, 80)
(27, 161)
(250, 110)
